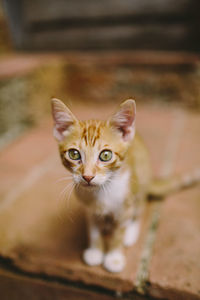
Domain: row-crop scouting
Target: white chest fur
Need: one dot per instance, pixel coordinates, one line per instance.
(112, 195)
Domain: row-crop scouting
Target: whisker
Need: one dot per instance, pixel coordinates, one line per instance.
(104, 188)
(64, 178)
(64, 191)
(69, 195)
(68, 199)
(108, 189)
(61, 198)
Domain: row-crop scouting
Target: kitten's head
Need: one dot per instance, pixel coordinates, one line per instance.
(93, 150)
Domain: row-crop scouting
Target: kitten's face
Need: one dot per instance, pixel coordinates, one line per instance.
(93, 150)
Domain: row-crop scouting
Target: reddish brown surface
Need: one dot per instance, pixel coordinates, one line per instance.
(23, 155)
(32, 289)
(45, 234)
(18, 64)
(175, 267)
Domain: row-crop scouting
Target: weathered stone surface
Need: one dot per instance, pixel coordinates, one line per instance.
(175, 267)
(16, 287)
(44, 233)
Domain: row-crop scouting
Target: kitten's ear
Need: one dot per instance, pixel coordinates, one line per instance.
(124, 119)
(63, 119)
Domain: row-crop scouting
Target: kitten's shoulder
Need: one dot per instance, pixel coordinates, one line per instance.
(138, 157)
(138, 144)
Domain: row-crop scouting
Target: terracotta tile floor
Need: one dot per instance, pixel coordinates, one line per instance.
(42, 233)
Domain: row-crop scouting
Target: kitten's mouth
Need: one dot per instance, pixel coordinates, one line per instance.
(89, 185)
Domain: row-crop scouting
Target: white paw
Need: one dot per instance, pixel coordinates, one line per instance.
(93, 256)
(131, 233)
(114, 261)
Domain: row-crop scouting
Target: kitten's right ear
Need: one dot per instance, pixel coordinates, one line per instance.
(63, 119)
(124, 119)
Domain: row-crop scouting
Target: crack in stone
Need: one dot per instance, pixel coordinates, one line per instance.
(142, 277)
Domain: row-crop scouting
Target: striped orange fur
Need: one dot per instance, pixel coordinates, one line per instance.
(111, 170)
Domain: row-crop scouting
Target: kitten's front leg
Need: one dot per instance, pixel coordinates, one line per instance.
(131, 233)
(114, 260)
(93, 255)
(126, 235)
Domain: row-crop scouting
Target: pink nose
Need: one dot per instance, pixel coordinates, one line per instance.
(88, 178)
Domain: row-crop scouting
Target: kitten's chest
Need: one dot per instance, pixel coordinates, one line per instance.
(110, 199)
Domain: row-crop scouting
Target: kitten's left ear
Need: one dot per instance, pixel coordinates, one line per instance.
(63, 119)
(124, 119)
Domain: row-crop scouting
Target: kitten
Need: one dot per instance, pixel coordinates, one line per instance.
(111, 169)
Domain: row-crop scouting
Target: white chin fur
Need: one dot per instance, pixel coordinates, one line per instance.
(93, 256)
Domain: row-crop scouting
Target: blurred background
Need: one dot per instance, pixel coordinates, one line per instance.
(113, 24)
(95, 51)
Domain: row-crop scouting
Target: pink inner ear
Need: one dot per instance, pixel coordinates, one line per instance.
(126, 118)
(126, 130)
(61, 127)
(129, 117)
(124, 121)
(63, 121)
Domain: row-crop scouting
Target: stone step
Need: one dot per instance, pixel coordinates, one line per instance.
(44, 234)
(174, 271)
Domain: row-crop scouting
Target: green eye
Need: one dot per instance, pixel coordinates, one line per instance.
(105, 155)
(74, 154)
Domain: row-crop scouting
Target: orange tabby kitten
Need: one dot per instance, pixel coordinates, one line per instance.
(111, 169)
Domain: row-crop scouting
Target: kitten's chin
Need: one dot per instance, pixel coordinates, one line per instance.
(88, 186)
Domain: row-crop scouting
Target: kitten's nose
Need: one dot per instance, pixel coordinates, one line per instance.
(88, 178)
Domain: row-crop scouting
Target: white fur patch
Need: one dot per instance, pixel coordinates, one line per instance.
(112, 195)
(94, 233)
(114, 261)
(93, 256)
(131, 233)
